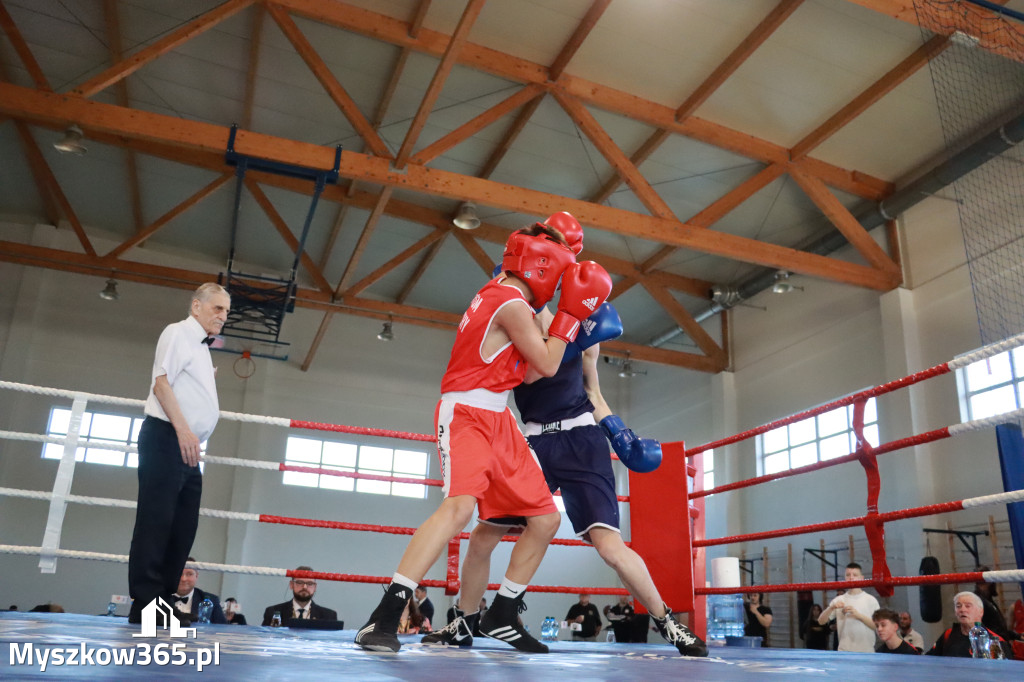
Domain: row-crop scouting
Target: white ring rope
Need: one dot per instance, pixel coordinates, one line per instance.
(123, 559)
(1008, 576)
(123, 504)
(979, 424)
(986, 352)
(998, 498)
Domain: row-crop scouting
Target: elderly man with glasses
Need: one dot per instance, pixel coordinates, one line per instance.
(301, 605)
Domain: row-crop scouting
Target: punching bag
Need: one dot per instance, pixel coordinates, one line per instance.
(931, 595)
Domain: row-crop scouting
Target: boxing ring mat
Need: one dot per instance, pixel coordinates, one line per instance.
(257, 653)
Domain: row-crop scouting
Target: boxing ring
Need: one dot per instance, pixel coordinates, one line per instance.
(676, 562)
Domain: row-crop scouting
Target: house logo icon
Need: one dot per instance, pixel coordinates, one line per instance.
(159, 611)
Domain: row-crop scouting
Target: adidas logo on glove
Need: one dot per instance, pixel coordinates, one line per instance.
(588, 326)
(591, 303)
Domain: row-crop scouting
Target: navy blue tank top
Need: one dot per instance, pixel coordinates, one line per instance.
(551, 399)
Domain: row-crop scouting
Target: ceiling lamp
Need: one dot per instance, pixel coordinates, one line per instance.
(782, 284)
(110, 292)
(466, 218)
(71, 143)
(386, 334)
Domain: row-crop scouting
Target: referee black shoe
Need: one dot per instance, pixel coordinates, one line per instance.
(501, 621)
(676, 633)
(380, 632)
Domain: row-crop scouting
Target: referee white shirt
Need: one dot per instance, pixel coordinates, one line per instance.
(182, 356)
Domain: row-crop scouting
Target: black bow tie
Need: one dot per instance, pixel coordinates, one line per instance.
(179, 600)
(209, 340)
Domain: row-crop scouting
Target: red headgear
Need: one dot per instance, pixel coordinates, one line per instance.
(570, 229)
(537, 260)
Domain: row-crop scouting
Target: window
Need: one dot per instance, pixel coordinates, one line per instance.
(992, 386)
(363, 459)
(108, 428)
(815, 439)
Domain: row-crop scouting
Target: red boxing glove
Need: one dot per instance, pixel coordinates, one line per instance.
(585, 286)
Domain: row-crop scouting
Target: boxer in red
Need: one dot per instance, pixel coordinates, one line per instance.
(485, 460)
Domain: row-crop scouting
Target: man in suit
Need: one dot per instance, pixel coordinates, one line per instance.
(424, 603)
(188, 597)
(301, 605)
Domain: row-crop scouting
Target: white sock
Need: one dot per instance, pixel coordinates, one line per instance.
(402, 580)
(510, 589)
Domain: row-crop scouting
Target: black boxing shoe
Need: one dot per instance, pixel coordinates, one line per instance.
(456, 633)
(381, 632)
(678, 634)
(502, 622)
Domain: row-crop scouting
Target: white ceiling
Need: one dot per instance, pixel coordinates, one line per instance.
(645, 54)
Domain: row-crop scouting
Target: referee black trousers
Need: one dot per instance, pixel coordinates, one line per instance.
(166, 517)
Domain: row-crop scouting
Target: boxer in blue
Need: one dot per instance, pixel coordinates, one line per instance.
(566, 420)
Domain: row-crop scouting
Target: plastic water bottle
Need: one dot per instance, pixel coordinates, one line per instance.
(205, 609)
(549, 630)
(981, 643)
(275, 620)
(725, 616)
(112, 609)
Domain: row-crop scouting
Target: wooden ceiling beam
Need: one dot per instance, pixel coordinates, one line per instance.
(259, 13)
(282, 229)
(844, 221)
(178, 278)
(736, 58)
(478, 123)
(364, 239)
(112, 21)
(475, 251)
(583, 30)
(186, 32)
(687, 322)
(395, 31)
(522, 118)
(50, 108)
(421, 268)
(396, 72)
(872, 94)
(614, 155)
(167, 217)
(42, 169)
(393, 263)
(17, 41)
(334, 89)
(444, 69)
(339, 220)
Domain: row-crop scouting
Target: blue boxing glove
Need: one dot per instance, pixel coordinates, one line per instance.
(641, 455)
(603, 325)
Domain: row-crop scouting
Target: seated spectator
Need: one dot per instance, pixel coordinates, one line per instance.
(423, 602)
(584, 620)
(908, 633)
(412, 622)
(814, 634)
(188, 597)
(233, 612)
(887, 627)
(757, 618)
(956, 641)
(301, 605)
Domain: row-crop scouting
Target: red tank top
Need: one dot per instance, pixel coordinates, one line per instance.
(467, 368)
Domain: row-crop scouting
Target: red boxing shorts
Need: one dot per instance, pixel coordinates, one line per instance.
(484, 454)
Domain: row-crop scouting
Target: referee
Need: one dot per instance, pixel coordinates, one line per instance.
(181, 412)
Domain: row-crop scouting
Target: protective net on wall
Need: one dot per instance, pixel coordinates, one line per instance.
(979, 86)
